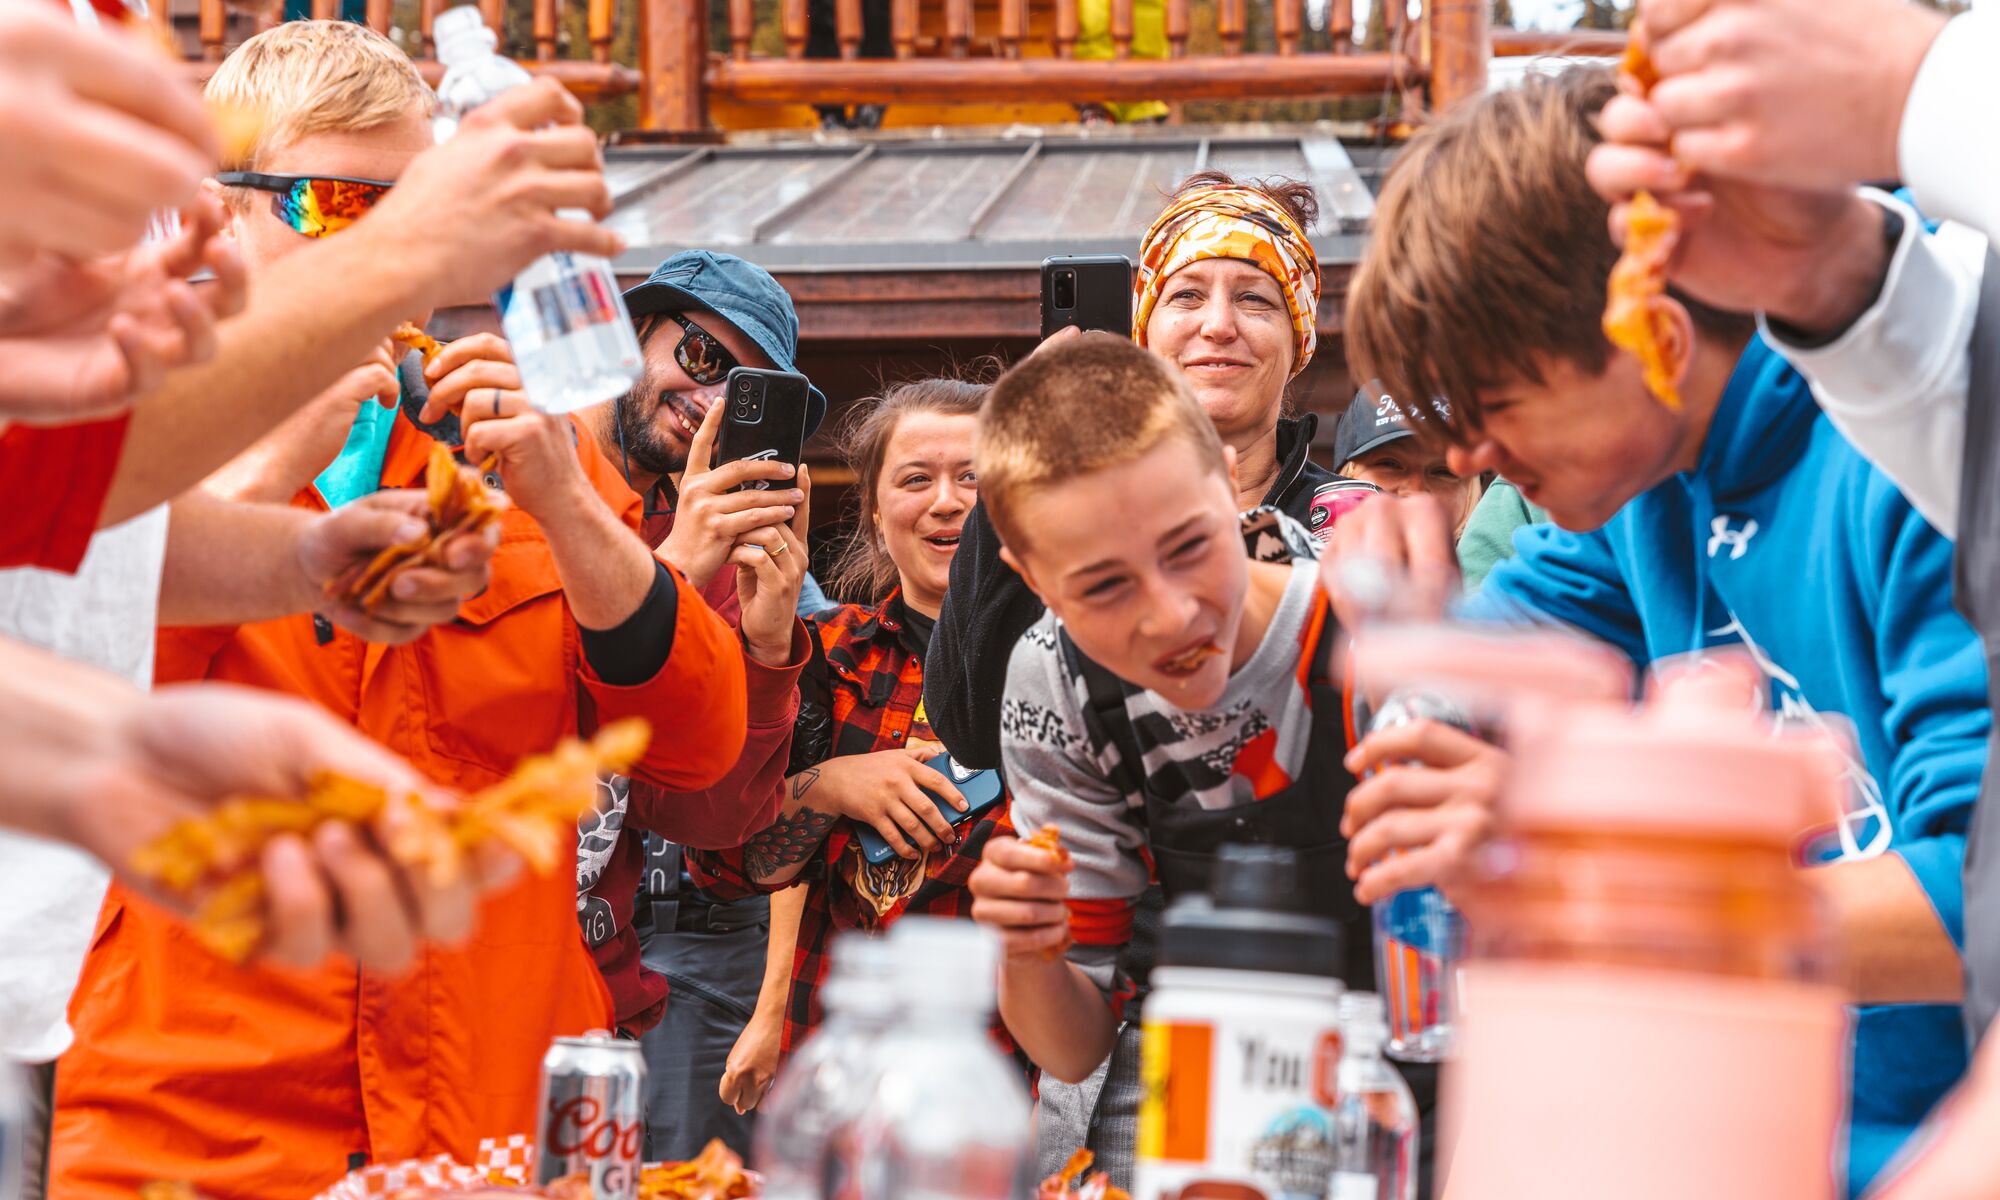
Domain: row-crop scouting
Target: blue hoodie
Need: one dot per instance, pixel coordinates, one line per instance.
(1784, 541)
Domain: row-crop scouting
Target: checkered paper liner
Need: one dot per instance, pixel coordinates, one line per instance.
(509, 1159)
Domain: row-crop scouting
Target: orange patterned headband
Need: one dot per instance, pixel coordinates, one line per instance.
(1232, 222)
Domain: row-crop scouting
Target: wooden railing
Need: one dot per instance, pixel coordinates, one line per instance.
(1028, 54)
(1023, 52)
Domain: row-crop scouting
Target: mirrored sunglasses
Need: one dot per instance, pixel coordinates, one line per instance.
(314, 205)
(700, 355)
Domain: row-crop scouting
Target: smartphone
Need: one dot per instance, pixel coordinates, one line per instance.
(1089, 291)
(764, 417)
(981, 790)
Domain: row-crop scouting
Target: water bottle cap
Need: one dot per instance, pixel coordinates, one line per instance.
(1256, 918)
(462, 35)
(1361, 1011)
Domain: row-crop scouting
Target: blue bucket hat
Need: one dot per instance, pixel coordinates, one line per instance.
(742, 293)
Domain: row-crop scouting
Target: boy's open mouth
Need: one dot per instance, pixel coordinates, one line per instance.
(1188, 661)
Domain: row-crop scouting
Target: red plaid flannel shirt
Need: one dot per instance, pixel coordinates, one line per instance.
(862, 692)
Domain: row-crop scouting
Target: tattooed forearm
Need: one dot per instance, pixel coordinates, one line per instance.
(789, 842)
(803, 782)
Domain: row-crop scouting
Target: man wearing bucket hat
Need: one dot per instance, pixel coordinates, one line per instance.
(700, 314)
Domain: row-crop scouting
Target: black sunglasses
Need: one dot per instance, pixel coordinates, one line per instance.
(700, 354)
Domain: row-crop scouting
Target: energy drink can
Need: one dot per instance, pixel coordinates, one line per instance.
(1419, 936)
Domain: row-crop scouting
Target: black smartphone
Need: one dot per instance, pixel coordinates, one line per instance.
(763, 418)
(1089, 291)
(981, 790)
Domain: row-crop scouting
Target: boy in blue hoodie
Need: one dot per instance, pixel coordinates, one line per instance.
(1738, 520)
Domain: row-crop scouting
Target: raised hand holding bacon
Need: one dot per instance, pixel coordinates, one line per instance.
(458, 506)
(1019, 890)
(220, 863)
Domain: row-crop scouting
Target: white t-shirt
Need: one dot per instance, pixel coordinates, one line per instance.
(49, 894)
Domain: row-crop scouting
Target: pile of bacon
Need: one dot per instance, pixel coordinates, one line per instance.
(714, 1174)
(533, 811)
(1634, 316)
(1064, 1185)
(459, 503)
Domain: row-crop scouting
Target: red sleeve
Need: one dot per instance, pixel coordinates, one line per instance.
(53, 482)
(747, 799)
(638, 995)
(696, 703)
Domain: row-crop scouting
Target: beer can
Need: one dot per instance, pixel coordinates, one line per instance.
(593, 1114)
(1419, 936)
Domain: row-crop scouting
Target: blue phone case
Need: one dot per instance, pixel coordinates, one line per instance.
(981, 790)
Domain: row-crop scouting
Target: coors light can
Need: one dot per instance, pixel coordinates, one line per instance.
(593, 1114)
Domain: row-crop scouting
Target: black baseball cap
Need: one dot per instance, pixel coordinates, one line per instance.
(1372, 420)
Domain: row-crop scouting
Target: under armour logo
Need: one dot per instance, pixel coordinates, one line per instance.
(1738, 540)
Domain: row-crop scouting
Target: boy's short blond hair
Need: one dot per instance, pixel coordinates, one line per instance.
(1092, 402)
(308, 77)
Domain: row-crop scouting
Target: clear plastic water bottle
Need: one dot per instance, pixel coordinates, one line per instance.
(1419, 936)
(950, 1117)
(1375, 1121)
(564, 316)
(804, 1134)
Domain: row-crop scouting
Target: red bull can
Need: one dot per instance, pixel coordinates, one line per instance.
(1419, 936)
(593, 1114)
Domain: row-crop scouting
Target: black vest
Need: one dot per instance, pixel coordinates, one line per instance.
(1978, 595)
(1183, 838)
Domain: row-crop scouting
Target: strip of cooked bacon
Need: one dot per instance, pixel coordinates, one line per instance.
(1635, 317)
(408, 334)
(1049, 838)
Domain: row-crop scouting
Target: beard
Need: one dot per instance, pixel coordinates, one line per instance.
(647, 448)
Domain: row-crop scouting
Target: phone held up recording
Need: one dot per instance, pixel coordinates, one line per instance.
(763, 419)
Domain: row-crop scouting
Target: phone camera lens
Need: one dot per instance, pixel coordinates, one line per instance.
(742, 410)
(1062, 289)
(743, 385)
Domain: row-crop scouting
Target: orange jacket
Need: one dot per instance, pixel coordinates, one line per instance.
(268, 1084)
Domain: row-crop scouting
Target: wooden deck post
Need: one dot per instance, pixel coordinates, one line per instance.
(673, 58)
(1461, 42)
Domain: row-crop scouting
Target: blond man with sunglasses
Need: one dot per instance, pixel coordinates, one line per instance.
(256, 1083)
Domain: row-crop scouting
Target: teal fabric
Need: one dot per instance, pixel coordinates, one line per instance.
(357, 472)
(1488, 539)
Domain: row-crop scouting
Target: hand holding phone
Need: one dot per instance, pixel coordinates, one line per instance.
(981, 789)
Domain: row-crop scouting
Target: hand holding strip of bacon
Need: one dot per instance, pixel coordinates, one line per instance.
(532, 812)
(1049, 838)
(460, 503)
(1634, 314)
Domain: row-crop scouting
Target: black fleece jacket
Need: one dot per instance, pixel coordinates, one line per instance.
(987, 608)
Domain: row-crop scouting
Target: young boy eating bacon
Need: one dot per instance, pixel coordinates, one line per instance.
(1738, 519)
(1177, 695)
